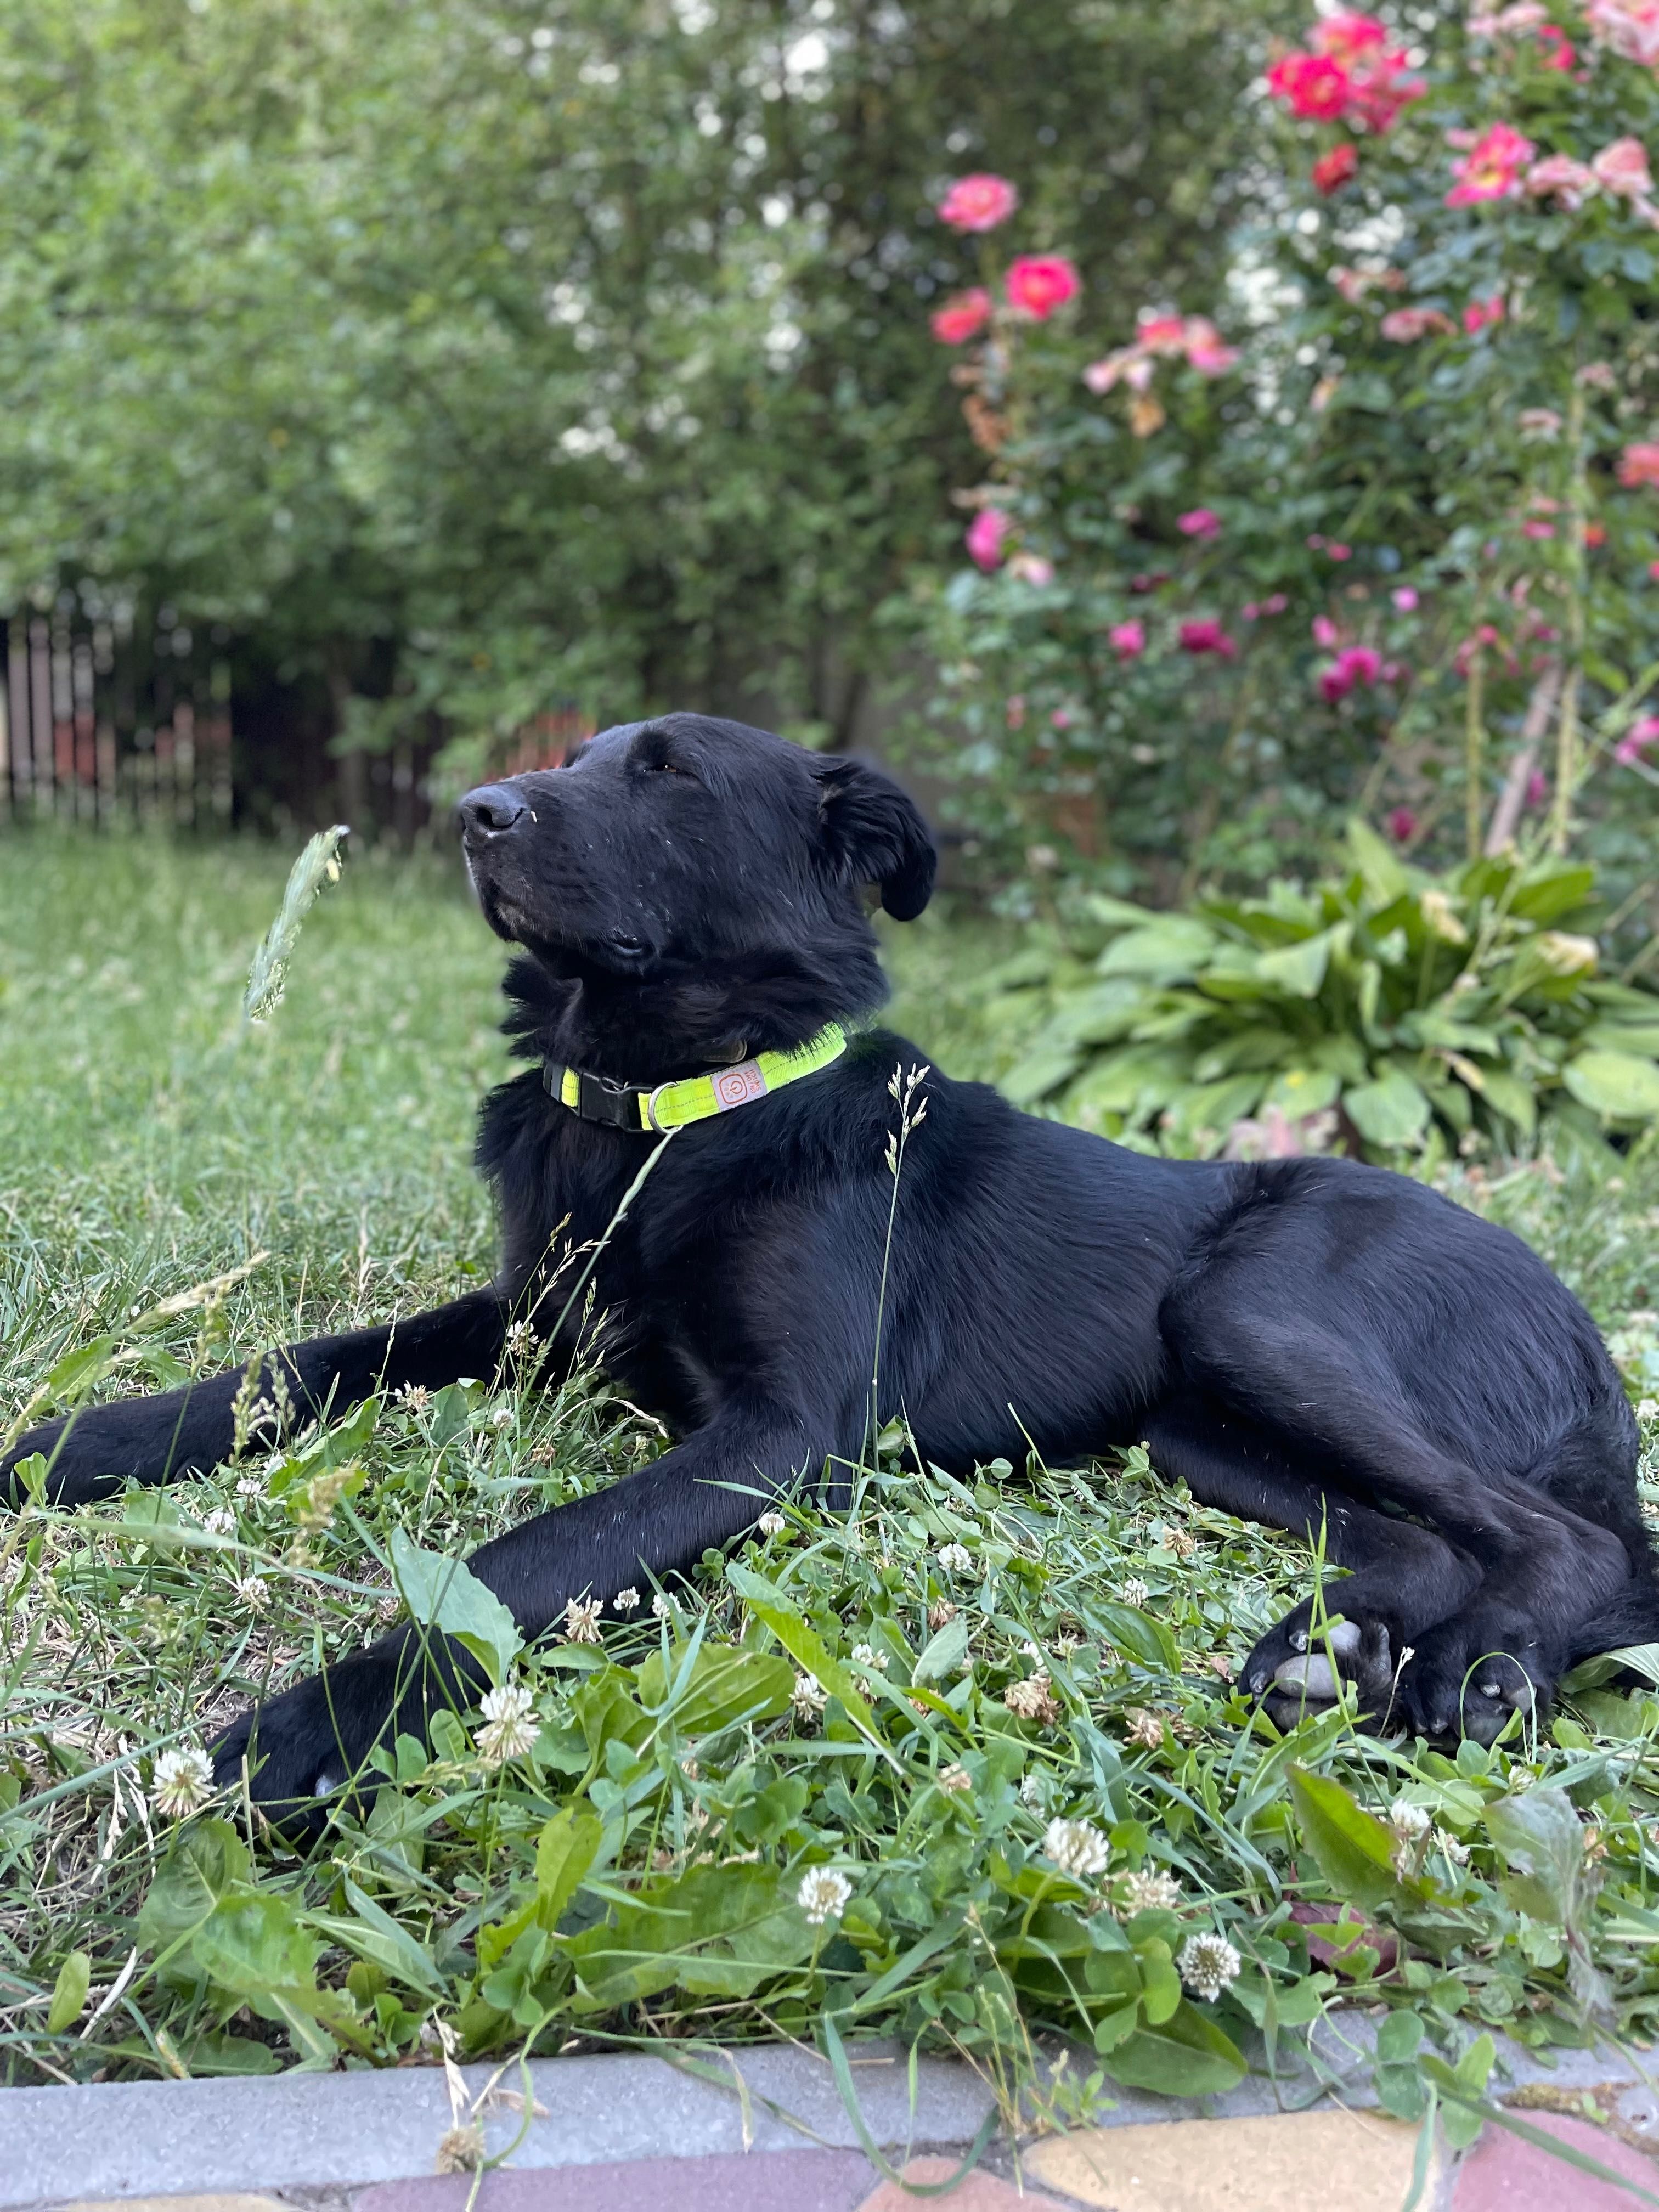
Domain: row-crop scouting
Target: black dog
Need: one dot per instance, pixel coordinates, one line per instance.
(1309, 1343)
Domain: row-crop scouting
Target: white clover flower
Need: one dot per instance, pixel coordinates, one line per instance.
(1647, 1410)
(955, 1558)
(182, 1781)
(1032, 1792)
(1032, 1650)
(662, 1605)
(1149, 1892)
(866, 1654)
(251, 1486)
(1407, 1821)
(1456, 1850)
(1207, 1964)
(1034, 1699)
(771, 1524)
(220, 1521)
(1077, 1848)
(581, 1619)
(502, 1417)
(415, 1395)
(510, 1728)
(626, 1600)
(808, 1697)
(253, 1594)
(1135, 1593)
(823, 1894)
(520, 1336)
(955, 1781)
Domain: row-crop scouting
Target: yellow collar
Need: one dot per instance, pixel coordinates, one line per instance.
(694, 1097)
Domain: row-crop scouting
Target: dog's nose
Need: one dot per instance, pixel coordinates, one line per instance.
(491, 809)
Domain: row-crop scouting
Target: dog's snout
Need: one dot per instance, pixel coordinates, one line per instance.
(491, 809)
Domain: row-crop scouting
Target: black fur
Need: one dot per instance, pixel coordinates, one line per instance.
(1309, 1343)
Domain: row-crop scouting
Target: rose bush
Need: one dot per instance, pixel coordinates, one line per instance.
(1376, 530)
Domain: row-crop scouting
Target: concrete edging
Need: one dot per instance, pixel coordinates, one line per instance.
(311, 2131)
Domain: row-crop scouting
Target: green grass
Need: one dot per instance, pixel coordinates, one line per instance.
(637, 1875)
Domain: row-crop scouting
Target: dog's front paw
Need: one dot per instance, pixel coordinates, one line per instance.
(312, 1744)
(1471, 1676)
(1296, 1670)
(74, 1475)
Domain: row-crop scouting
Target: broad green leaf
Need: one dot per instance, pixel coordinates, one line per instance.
(1546, 894)
(724, 1684)
(1512, 1098)
(253, 1944)
(1038, 1073)
(1187, 2056)
(373, 1934)
(1354, 1849)
(1380, 869)
(1539, 1833)
(565, 1850)
(79, 1370)
(69, 1994)
(1300, 1091)
(1618, 1085)
(1170, 949)
(716, 1932)
(204, 1863)
(1139, 1634)
(1391, 1112)
(943, 1653)
(1298, 970)
(444, 1594)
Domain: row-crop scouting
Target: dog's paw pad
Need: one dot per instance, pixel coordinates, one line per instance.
(325, 1783)
(1314, 1675)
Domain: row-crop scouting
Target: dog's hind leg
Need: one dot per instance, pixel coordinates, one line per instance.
(1401, 1577)
(176, 1433)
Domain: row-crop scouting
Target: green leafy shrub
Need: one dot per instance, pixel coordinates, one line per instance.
(1384, 1010)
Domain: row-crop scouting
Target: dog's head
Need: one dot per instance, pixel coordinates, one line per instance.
(700, 883)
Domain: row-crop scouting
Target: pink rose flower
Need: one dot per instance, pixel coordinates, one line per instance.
(1032, 568)
(1336, 551)
(1348, 35)
(1484, 314)
(1198, 522)
(1127, 640)
(1038, 283)
(1622, 168)
(1325, 632)
(1638, 465)
(1558, 176)
(1357, 664)
(1201, 343)
(1161, 334)
(963, 316)
(1315, 86)
(1333, 170)
(1538, 530)
(984, 539)
(1630, 28)
(1404, 598)
(1405, 326)
(978, 203)
(1558, 51)
(1402, 825)
(1493, 168)
(1636, 741)
(1205, 635)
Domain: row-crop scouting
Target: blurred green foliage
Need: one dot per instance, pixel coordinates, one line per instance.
(486, 360)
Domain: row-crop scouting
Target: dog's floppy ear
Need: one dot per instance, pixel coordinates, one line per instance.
(876, 835)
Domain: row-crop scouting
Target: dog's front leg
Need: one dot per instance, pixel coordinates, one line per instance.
(189, 1430)
(304, 1745)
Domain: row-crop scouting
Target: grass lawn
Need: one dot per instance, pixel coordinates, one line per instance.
(966, 1764)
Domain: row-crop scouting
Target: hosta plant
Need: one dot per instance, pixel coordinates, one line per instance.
(1382, 1011)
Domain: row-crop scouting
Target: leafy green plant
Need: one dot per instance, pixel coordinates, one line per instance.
(1385, 1010)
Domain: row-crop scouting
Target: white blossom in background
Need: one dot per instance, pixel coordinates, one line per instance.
(510, 1728)
(181, 1783)
(581, 1619)
(771, 1524)
(253, 1594)
(662, 1606)
(808, 1697)
(1077, 1848)
(1207, 1964)
(251, 1486)
(956, 1781)
(866, 1654)
(1134, 1592)
(1150, 1892)
(1032, 1792)
(626, 1600)
(823, 1894)
(1456, 1850)
(221, 1522)
(956, 1558)
(1408, 1824)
